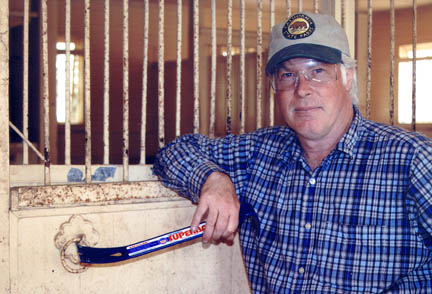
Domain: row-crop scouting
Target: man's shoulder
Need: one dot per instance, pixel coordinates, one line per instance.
(381, 132)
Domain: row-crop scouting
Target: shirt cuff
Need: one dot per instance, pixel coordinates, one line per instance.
(198, 177)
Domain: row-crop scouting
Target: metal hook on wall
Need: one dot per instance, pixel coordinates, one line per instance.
(76, 230)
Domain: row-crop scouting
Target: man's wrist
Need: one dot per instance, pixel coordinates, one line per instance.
(199, 176)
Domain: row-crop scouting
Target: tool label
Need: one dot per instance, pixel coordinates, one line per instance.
(166, 240)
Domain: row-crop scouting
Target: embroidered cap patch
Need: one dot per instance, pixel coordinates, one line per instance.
(298, 26)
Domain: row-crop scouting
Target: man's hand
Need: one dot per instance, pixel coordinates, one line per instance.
(220, 207)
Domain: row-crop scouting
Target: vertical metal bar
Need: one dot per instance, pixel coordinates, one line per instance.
(392, 61)
(87, 100)
(414, 66)
(242, 67)
(179, 61)
(125, 90)
(316, 6)
(300, 5)
(106, 98)
(67, 86)
(259, 64)
(229, 67)
(161, 72)
(342, 13)
(368, 80)
(271, 102)
(45, 89)
(196, 64)
(213, 71)
(144, 84)
(288, 8)
(25, 78)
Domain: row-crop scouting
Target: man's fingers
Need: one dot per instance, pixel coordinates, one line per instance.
(231, 227)
(220, 206)
(210, 226)
(220, 228)
(199, 214)
(229, 240)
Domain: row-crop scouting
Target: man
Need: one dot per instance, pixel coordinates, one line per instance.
(344, 203)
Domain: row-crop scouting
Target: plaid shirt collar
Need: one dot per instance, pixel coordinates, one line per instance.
(346, 145)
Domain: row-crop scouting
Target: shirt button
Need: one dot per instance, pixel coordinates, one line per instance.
(308, 226)
(312, 181)
(301, 270)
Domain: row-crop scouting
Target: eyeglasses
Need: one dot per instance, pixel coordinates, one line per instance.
(316, 73)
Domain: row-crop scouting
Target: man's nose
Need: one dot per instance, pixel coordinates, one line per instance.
(303, 87)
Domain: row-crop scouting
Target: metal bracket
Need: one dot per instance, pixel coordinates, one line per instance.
(76, 230)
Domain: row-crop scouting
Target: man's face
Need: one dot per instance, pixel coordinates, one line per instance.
(313, 99)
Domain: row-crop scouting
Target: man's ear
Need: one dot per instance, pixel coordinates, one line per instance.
(349, 78)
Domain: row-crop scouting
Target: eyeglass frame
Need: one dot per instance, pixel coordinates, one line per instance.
(306, 75)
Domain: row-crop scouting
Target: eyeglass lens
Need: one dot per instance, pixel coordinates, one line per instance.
(314, 72)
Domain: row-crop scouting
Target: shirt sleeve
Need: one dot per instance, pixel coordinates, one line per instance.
(184, 164)
(421, 189)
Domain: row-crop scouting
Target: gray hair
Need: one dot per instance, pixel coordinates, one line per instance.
(349, 63)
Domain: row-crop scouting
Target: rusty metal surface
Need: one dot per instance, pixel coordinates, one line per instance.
(288, 7)
(369, 61)
(242, 66)
(259, 112)
(25, 78)
(342, 4)
(414, 65)
(87, 93)
(213, 71)
(144, 84)
(125, 90)
(316, 6)
(271, 94)
(178, 67)
(196, 122)
(229, 110)
(106, 96)
(88, 194)
(67, 86)
(161, 73)
(45, 89)
(392, 62)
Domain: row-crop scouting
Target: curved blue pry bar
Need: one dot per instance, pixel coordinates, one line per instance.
(116, 254)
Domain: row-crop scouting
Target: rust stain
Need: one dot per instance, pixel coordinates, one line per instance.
(89, 194)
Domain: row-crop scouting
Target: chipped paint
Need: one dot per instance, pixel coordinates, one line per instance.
(75, 175)
(89, 194)
(101, 174)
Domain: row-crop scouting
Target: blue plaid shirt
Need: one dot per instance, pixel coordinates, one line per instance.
(359, 223)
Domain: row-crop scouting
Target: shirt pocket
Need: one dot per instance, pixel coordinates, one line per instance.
(361, 258)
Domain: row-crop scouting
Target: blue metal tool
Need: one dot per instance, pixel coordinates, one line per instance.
(116, 254)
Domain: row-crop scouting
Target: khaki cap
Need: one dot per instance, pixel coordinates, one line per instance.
(309, 35)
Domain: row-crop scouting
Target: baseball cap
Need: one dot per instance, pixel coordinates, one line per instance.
(309, 35)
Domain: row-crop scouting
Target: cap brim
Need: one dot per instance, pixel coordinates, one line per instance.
(318, 52)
